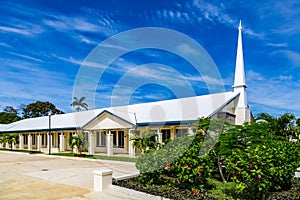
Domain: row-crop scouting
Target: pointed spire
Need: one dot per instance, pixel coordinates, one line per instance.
(239, 80)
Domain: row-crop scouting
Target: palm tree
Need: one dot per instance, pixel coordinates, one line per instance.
(78, 141)
(283, 125)
(11, 139)
(79, 104)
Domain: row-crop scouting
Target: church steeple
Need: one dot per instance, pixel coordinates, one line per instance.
(242, 111)
(239, 79)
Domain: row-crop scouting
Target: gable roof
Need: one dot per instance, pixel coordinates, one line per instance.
(175, 110)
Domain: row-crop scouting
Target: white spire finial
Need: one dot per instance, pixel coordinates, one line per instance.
(239, 79)
(240, 26)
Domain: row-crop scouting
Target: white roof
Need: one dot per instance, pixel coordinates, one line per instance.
(175, 110)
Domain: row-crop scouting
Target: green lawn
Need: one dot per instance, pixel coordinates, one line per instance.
(21, 150)
(115, 158)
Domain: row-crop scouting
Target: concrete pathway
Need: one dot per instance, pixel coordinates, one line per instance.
(25, 176)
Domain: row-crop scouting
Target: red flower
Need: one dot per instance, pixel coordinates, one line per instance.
(199, 169)
(251, 166)
(233, 175)
(168, 165)
(259, 177)
(185, 166)
(196, 192)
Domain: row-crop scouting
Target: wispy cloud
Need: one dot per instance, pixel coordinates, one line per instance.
(26, 57)
(15, 30)
(64, 23)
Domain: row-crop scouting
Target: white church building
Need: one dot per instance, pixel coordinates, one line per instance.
(108, 130)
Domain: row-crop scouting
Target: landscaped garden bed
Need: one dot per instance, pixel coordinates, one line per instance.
(250, 161)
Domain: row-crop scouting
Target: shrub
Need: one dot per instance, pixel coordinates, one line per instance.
(263, 168)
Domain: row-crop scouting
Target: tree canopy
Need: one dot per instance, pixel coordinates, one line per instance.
(6, 118)
(39, 109)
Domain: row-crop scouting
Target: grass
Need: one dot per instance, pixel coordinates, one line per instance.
(21, 150)
(114, 158)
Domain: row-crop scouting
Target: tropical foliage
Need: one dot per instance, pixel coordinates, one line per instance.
(252, 160)
(10, 139)
(79, 142)
(79, 104)
(146, 141)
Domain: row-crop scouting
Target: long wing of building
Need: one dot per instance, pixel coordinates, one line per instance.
(114, 125)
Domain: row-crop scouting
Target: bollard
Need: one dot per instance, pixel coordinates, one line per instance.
(102, 179)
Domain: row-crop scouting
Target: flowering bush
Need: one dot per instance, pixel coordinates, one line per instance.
(263, 168)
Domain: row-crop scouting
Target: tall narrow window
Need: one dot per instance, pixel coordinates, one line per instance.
(43, 139)
(25, 138)
(103, 138)
(166, 134)
(121, 139)
(33, 139)
(114, 137)
(181, 132)
(97, 139)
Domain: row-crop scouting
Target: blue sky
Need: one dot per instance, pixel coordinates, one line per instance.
(43, 44)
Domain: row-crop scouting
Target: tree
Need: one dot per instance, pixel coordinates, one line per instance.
(283, 125)
(78, 141)
(11, 139)
(10, 109)
(39, 109)
(79, 104)
(7, 118)
(145, 142)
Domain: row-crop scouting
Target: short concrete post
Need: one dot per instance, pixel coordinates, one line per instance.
(7, 145)
(102, 179)
(1, 145)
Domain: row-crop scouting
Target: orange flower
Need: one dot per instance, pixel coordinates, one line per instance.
(185, 166)
(199, 169)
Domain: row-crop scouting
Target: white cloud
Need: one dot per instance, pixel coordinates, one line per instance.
(26, 57)
(15, 30)
(277, 44)
(285, 78)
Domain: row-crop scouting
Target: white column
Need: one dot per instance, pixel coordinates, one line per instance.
(7, 145)
(29, 142)
(21, 141)
(131, 148)
(39, 142)
(61, 142)
(159, 135)
(191, 129)
(1, 145)
(48, 141)
(91, 143)
(109, 144)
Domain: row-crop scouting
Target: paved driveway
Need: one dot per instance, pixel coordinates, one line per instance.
(50, 177)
